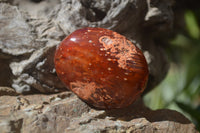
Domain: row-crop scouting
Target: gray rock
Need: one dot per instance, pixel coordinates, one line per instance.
(17, 39)
(38, 9)
(15, 34)
(42, 76)
(64, 112)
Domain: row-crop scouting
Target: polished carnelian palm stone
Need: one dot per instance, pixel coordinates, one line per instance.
(101, 67)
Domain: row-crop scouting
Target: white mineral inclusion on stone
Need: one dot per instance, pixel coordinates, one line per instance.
(107, 40)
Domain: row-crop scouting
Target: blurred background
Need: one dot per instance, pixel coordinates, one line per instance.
(180, 90)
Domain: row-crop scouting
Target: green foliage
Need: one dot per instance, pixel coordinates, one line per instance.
(181, 88)
(192, 25)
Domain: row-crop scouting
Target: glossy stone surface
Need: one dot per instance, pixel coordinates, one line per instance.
(101, 67)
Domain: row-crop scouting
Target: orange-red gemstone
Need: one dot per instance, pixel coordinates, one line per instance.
(101, 67)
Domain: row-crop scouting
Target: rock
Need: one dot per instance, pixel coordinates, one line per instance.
(37, 72)
(64, 112)
(7, 91)
(31, 55)
(39, 8)
(15, 34)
